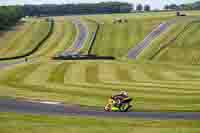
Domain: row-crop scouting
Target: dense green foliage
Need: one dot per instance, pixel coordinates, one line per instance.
(191, 6)
(104, 7)
(9, 15)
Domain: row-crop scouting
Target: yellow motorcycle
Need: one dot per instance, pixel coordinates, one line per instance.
(118, 105)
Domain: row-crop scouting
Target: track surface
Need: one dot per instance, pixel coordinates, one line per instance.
(80, 39)
(4, 65)
(60, 109)
(133, 53)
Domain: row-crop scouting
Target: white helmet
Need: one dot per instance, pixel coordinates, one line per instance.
(124, 93)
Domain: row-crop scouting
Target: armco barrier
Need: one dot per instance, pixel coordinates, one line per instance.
(94, 36)
(51, 21)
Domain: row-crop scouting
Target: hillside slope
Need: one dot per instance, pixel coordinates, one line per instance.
(117, 39)
(161, 88)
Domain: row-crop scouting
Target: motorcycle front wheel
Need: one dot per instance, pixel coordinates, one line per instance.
(125, 107)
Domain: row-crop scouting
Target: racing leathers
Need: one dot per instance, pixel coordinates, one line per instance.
(118, 99)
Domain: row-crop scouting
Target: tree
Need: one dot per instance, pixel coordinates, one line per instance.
(190, 6)
(133, 7)
(147, 8)
(103, 7)
(196, 5)
(185, 6)
(173, 7)
(9, 15)
(139, 7)
(166, 7)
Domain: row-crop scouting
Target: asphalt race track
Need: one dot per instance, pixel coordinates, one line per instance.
(4, 65)
(80, 39)
(31, 107)
(133, 53)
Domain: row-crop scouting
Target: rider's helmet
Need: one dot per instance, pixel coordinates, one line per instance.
(124, 93)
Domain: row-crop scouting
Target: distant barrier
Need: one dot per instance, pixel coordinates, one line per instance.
(51, 22)
(87, 57)
(94, 36)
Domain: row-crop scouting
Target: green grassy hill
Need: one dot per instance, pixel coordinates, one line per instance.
(63, 35)
(166, 82)
(157, 87)
(154, 86)
(25, 40)
(117, 39)
(187, 47)
(26, 37)
(178, 45)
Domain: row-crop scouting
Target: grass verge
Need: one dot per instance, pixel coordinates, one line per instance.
(11, 122)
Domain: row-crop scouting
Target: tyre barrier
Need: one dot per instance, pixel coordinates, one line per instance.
(84, 57)
(51, 22)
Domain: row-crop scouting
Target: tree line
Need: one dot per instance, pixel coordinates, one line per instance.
(9, 15)
(66, 9)
(141, 7)
(191, 6)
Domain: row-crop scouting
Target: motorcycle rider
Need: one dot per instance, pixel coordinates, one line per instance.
(119, 97)
(119, 102)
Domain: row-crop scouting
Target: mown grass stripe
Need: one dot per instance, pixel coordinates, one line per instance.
(19, 73)
(41, 74)
(53, 41)
(59, 73)
(155, 86)
(38, 44)
(38, 34)
(139, 73)
(107, 72)
(137, 89)
(75, 73)
(19, 37)
(68, 39)
(13, 50)
(60, 36)
(85, 91)
(63, 36)
(124, 74)
(92, 73)
(10, 36)
(154, 75)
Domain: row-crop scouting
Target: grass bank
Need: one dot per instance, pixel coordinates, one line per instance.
(10, 122)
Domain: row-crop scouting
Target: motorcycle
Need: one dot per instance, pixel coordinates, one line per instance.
(118, 105)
